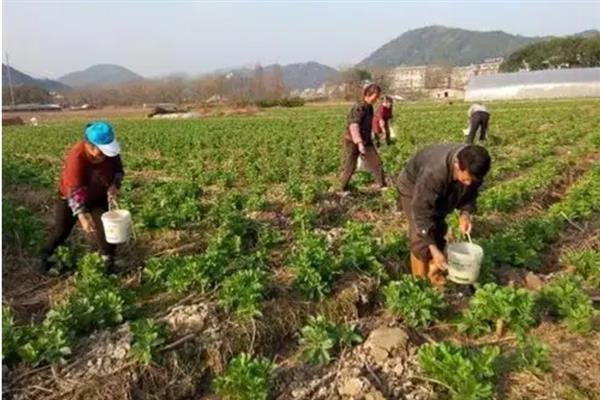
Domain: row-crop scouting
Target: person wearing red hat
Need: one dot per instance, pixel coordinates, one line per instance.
(91, 177)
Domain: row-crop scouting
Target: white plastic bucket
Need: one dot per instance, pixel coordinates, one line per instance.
(360, 163)
(464, 262)
(117, 226)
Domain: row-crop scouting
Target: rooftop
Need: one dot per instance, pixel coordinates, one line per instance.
(573, 75)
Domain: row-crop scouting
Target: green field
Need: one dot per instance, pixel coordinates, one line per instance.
(242, 239)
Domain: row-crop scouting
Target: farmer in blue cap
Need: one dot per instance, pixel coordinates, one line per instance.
(91, 177)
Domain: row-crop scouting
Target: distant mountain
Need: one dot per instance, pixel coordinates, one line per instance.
(295, 76)
(171, 76)
(439, 44)
(101, 74)
(20, 78)
(307, 75)
(588, 34)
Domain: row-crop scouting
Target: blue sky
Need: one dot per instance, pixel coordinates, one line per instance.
(50, 38)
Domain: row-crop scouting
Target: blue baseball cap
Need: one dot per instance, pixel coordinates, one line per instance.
(101, 135)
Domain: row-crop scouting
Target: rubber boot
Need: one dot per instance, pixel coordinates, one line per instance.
(46, 267)
(109, 265)
(418, 268)
(436, 275)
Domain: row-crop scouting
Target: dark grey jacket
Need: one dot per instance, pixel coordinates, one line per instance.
(428, 180)
(361, 113)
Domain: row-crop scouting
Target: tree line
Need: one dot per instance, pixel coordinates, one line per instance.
(569, 52)
(260, 87)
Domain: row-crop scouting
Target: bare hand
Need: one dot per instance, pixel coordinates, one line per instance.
(113, 193)
(465, 223)
(438, 257)
(87, 223)
(361, 148)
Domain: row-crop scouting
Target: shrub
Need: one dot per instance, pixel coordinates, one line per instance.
(27, 171)
(531, 355)
(304, 218)
(582, 199)
(586, 264)
(321, 338)
(315, 266)
(257, 200)
(521, 245)
(414, 299)
(34, 344)
(469, 373)
(44, 344)
(171, 204)
(96, 303)
(359, 249)
(20, 228)
(508, 195)
(10, 336)
(291, 102)
(283, 102)
(311, 192)
(395, 246)
(242, 292)
(64, 259)
(472, 373)
(516, 308)
(147, 338)
(246, 378)
(565, 299)
(180, 274)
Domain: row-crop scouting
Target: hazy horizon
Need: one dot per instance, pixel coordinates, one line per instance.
(51, 38)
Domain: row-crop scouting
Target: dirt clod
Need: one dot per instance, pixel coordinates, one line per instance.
(533, 282)
(384, 341)
(351, 387)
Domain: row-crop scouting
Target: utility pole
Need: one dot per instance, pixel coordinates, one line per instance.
(10, 86)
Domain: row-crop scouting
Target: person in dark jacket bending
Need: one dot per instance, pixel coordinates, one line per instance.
(358, 140)
(436, 181)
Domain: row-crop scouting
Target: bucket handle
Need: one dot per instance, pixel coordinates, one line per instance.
(113, 205)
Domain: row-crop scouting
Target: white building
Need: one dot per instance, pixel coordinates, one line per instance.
(576, 82)
(427, 77)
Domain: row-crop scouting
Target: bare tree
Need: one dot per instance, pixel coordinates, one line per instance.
(352, 79)
(437, 76)
(258, 85)
(26, 94)
(276, 85)
(235, 87)
(383, 78)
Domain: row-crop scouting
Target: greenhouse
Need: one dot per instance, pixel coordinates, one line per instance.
(576, 82)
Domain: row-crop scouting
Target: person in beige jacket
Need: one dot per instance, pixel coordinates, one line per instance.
(479, 118)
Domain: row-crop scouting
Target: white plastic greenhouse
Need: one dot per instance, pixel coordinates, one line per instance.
(576, 82)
